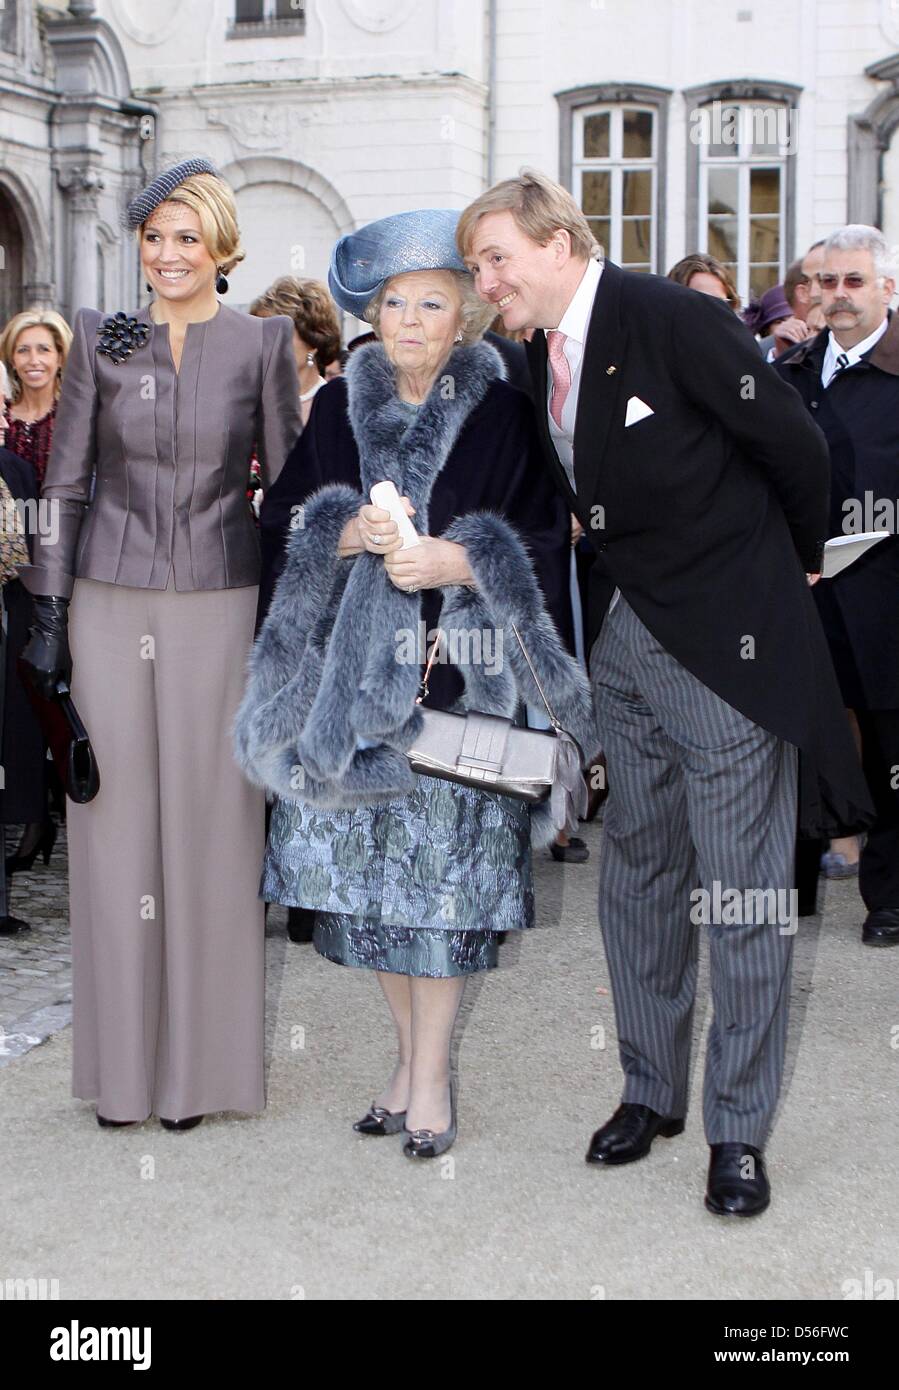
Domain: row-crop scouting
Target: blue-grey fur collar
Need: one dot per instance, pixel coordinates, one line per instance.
(378, 419)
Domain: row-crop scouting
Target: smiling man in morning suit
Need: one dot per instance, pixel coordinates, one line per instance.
(703, 485)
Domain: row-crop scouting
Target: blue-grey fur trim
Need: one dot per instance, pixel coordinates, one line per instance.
(324, 673)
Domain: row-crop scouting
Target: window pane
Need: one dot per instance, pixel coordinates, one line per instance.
(723, 125)
(761, 278)
(247, 11)
(723, 191)
(764, 126)
(635, 240)
(289, 9)
(601, 229)
(637, 134)
(764, 239)
(596, 189)
(723, 238)
(764, 190)
(596, 136)
(637, 196)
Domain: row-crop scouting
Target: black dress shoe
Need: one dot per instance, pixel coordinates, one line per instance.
(113, 1124)
(190, 1123)
(738, 1184)
(881, 927)
(629, 1134)
(11, 926)
(575, 852)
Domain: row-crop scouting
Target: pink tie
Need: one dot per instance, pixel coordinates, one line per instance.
(558, 363)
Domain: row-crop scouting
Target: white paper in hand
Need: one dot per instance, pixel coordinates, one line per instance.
(385, 495)
(843, 551)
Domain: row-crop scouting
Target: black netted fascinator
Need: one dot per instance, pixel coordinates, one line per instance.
(162, 187)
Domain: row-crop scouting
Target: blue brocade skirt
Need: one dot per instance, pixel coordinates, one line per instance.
(419, 885)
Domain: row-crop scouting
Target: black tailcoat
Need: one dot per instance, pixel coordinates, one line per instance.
(859, 415)
(708, 513)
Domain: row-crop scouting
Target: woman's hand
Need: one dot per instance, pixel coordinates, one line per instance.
(370, 521)
(429, 565)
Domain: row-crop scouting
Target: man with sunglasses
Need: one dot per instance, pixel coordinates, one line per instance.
(848, 376)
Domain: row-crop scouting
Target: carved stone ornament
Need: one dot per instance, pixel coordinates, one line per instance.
(378, 16)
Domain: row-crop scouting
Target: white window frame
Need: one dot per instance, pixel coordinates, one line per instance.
(744, 161)
(617, 165)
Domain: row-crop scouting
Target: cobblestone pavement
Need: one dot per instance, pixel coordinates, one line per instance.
(35, 966)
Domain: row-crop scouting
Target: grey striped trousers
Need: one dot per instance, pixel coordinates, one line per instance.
(698, 795)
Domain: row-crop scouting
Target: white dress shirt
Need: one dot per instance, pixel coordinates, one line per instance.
(829, 365)
(574, 324)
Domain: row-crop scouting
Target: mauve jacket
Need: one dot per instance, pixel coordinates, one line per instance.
(149, 467)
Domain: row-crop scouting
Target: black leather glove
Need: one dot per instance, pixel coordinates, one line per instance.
(47, 653)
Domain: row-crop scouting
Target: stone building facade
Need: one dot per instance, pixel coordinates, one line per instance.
(749, 128)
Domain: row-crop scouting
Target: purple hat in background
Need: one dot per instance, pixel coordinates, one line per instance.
(760, 313)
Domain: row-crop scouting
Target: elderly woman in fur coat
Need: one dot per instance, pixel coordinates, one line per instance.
(409, 876)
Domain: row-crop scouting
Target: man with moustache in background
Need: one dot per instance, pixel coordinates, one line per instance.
(848, 376)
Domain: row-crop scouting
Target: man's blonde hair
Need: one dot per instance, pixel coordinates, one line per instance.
(213, 202)
(59, 331)
(539, 207)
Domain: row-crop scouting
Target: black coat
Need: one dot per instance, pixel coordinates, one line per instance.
(496, 465)
(23, 797)
(859, 415)
(708, 514)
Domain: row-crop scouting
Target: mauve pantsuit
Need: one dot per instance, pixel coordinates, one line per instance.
(158, 553)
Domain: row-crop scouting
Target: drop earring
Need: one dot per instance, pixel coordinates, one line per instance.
(310, 359)
(221, 281)
(148, 286)
(458, 337)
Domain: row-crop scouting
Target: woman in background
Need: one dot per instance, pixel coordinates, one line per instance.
(316, 329)
(34, 348)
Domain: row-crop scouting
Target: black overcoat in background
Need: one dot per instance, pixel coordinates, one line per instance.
(496, 465)
(23, 795)
(708, 513)
(859, 415)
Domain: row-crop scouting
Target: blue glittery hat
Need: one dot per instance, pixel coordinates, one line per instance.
(361, 261)
(162, 187)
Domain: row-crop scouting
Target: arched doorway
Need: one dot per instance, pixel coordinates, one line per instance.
(12, 260)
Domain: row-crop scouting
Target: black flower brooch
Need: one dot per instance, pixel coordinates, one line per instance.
(120, 336)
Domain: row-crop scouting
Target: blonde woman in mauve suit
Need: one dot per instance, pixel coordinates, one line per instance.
(153, 577)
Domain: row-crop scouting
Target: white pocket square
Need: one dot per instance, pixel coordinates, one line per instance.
(636, 410)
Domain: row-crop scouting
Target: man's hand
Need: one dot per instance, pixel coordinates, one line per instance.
(789, 332)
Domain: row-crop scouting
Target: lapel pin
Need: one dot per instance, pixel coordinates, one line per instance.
(610, 370)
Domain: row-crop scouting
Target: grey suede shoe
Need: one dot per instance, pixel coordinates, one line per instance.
(424, 1143)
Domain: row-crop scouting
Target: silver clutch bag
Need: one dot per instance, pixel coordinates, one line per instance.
(488, 750)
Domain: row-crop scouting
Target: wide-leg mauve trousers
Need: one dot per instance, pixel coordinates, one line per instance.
(164, 864)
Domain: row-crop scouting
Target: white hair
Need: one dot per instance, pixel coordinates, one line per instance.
(859, 237)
